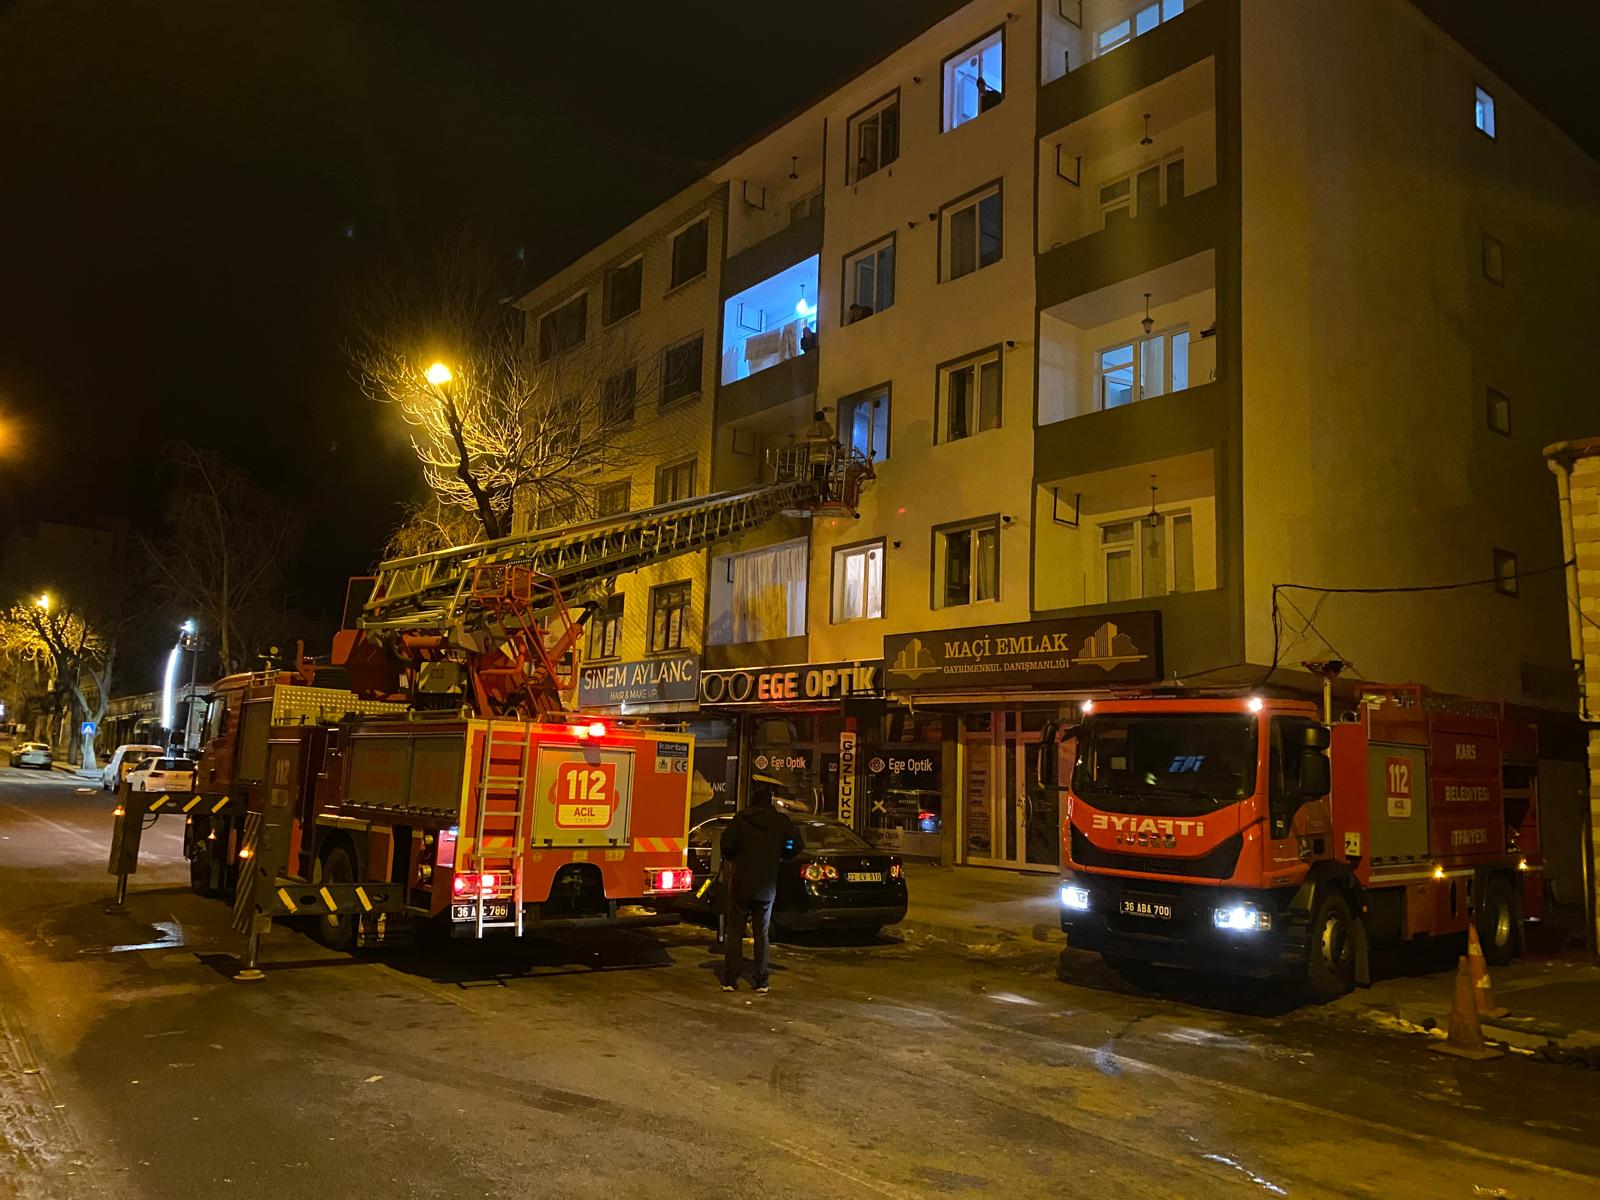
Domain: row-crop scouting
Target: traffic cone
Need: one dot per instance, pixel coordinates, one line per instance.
(1482, 993)
(1465, 1039)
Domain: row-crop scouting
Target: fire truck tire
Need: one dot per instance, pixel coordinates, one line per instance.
(1498, 928)
(1331, 954)
(337, 864)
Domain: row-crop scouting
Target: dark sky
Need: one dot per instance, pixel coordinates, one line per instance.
(178, 179)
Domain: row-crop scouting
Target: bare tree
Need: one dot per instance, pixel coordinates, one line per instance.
(79, 653)
(431, 525)
(500, 427)
(222, 558)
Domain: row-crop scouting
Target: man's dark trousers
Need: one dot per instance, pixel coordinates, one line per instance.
(758, 912)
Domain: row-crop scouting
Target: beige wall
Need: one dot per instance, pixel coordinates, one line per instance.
(1370, 336)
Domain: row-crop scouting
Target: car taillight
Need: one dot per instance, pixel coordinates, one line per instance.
(468, 884)
(671, 879)
(817, 872)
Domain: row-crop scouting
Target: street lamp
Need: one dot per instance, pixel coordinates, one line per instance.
(43, 601)
(438, 375)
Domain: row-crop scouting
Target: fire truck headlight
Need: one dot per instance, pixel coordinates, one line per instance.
(1074, 897)
(1242, 918)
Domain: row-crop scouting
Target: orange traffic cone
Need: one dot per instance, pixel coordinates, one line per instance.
(1466, 1037)
(1482, 993)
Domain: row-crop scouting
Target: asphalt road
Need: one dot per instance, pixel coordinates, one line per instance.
(132, 1066)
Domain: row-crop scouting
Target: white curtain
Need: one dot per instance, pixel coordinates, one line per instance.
(769, 593)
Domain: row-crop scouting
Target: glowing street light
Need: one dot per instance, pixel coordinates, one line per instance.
(438, 374)
(43, 601)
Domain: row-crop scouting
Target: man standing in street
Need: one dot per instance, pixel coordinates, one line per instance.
(754, 844)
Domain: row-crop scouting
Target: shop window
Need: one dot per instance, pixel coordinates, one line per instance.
(1148, 366)
(681, 370)
(1506, 580)
(869, 281)
(618, 396)
(1141, 558)
(1141, 191)
(689, 253)
(974, 80)
(563, 328)
(1483, 111)
(864, 424)
(967, 564)
(1120, 33)
(613, 498)
(759, 595)
(605, 630)
(969, 397)
(874, 139)
(858, 583)
(675, 482)
(669, 615)
(971, 234)
(622, 290)
(1500, 412)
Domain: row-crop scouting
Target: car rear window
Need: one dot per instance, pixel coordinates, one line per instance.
(829, 835)
(173, 764)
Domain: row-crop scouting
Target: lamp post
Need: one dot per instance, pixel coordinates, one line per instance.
(189, 639)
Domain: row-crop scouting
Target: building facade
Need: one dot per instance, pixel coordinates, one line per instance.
(1184, 335)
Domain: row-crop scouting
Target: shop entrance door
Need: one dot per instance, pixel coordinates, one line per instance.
(1010, 821)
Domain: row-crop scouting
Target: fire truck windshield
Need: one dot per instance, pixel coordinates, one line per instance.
(1140, 760)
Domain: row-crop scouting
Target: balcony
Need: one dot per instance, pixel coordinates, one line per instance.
(775, 194)
(1098, 51)
(770, 322)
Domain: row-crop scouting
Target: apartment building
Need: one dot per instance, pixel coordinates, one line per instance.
(1180, 332)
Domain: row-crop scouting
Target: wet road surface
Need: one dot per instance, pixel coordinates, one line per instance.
(131, 1066)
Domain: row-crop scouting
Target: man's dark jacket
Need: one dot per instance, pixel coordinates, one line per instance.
(755, 842)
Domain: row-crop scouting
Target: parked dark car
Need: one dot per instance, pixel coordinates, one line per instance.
(838, 881)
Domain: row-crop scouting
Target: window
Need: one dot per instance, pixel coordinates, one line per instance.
(563, 328)
(1119, 33)
(1483, 111)
(617, 397)
(808, 205)
(864, 424)
(1143, 191)
(613, 498)
(622, 288)
(759, 595)
(1149, 366)
(869, 281)
(1142, 559)
(1506, 581)
(605, 629)
(1499, 412)
(675, 482)
(669, 615)
(974, 80)
(1494, 260)
(689, 253)
(967, 564)
(874, 139)
(858, 583)
(970, 233)
(680, 370)
(969, 397)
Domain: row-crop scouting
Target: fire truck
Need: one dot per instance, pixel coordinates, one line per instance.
(431, 771)
(1251, 835)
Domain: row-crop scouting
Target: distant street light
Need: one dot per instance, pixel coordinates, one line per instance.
(43, 601)
(438, 375)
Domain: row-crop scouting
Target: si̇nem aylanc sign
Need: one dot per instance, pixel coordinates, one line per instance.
(648, 681)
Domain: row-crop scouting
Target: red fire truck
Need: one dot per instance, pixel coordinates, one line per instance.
(1247, 835)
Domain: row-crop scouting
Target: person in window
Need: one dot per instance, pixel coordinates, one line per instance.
(808, 340)
(821, 447)
(858, 312)
(754, 845)
(988, 97)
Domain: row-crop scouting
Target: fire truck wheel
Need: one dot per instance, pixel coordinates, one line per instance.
(1497, 923)
(337, 866)
(1331, 961)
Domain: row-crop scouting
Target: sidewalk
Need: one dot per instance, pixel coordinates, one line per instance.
(982, 907)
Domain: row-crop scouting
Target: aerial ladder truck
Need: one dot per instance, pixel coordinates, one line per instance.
(431, 770)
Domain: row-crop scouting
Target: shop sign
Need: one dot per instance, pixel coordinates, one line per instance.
(1067, 651)
(847, 777)
(796, 684)
(649, 681)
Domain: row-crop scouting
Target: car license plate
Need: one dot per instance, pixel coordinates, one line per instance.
(1147, 908)
(495, 910)
(863, 876)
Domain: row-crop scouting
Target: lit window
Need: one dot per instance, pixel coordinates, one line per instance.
(1149, 366)
(969, 397)
(1494, 260)
(605, 629)
(669, 615)
(1506, 581)
(1120, 33)
(759, 595)
(1483, 111)
(565, 327)
(874, 139)
(971, 233)
(869, 281)
(967, 564)
(680, 370)
(622, 290)
(675, 482)
(858, 583)
(617, 396)
(864, 424)
(1142, 191)
(974, 80)
(1140, 558)
(613, 498)
(1499, 412)
(689, 253)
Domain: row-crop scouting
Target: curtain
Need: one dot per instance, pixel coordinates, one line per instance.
(986, 564)
(769, 593)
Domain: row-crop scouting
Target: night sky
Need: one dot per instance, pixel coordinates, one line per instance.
(191, 189)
